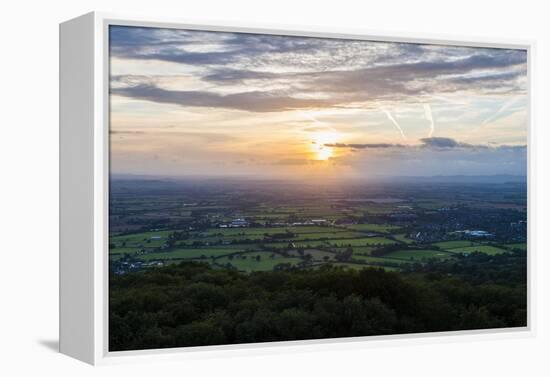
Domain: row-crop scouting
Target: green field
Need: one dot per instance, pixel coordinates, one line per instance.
(418, 255)
(520, 246)
(306, 244)
(143, 239)
(188, 254)
(360, 266)
(122, 250)
(226, 247)
(236, 237)
(448, 245)
(380, 228)
(114, 256)
(369, 259)
(272, 230)
(402, 238)
(357, 249)
(362, 241)
(317, 255)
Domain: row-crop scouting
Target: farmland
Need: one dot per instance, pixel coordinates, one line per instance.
(265, 226)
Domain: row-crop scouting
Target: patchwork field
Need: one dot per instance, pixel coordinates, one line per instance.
(263, 248)
(265, 230)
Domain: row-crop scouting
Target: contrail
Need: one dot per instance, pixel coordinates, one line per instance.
(390, 117)
(503, 108)
(428, 116)
(309, 117)
(315, 121)
(452, 101)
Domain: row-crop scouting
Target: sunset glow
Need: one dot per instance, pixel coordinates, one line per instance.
(211, 103)
(318, 145)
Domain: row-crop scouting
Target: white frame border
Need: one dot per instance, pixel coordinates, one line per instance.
(101, 196)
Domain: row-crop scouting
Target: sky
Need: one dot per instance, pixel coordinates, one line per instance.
(197, 103)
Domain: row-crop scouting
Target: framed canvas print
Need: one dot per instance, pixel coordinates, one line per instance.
(224, 187)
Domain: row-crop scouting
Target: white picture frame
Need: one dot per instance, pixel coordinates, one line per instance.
(84, 185)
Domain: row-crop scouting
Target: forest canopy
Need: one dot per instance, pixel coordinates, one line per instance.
(192, 304)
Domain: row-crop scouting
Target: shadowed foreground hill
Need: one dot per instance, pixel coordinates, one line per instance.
(191, 304)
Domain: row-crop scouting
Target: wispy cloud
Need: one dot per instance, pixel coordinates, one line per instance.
(256, 101)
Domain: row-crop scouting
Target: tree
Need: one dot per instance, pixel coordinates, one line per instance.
(345, 255)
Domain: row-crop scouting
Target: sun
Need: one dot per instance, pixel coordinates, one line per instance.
(319, 145)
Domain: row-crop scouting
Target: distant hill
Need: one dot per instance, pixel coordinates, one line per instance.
(151, 181)
(500, 178)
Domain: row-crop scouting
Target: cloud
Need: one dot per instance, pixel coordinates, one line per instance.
(172, 132)
(298, 162)
(433, 156)
(432, 143)
(191, 47)
(365, 146)
(292, 161)
(316, 129)
(255, 101)
(229, 76)
(202, 47)
(394, 74)
(442, 142)
(289, 69)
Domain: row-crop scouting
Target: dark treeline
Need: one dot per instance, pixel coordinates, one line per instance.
(191, 304)
(508, 269)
